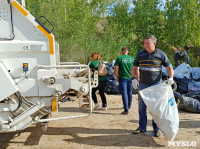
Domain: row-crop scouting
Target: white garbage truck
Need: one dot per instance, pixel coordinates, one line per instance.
(32, 78)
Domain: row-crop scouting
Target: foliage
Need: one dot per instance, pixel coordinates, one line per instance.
(105, 26)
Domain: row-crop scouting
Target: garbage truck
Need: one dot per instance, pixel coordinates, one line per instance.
(32, 77)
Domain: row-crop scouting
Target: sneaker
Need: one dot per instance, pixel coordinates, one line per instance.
(124, 113)
(137, 131)
(157, 133)
(103, 108)
(96, 106)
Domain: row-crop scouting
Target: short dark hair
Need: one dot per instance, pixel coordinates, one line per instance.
(152, 37)
(125, 48)
(187, 47)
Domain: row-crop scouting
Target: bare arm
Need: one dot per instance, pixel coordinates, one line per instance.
(138, 74)
(170, 71)
(135, 72)
(116, 69)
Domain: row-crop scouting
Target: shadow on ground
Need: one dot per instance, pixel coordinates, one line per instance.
(79, 135)
(183, 123)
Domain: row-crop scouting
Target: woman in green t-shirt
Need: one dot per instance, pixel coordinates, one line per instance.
(102, 83)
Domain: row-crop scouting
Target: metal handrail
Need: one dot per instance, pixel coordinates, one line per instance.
(69, 63)
(49, 31)
(62, 66)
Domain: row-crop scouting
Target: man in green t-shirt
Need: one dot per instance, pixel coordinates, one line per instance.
(123, 65)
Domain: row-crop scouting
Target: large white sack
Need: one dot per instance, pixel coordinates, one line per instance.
(161, 104)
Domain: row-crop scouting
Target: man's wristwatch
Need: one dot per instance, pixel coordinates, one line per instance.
(133, 78)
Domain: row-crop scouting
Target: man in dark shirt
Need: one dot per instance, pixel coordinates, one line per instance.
(177, 56)
(184, 54)
(149, 62)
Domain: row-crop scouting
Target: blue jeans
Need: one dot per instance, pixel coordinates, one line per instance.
(126, 89)
(142, 108)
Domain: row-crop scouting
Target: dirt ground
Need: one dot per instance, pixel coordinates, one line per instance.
(103, 129)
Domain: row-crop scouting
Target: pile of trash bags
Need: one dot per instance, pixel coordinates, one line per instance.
(188, 87)
(187, 79)
(112, 85)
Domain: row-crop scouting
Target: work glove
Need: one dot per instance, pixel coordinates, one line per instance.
(171, 81)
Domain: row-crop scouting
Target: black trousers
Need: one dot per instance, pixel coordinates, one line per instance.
(101, 87)
(177, 63)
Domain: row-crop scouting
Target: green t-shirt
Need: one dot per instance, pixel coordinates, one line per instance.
(125, 63)
(94, 65)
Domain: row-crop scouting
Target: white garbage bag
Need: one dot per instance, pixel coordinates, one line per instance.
(135, 84)
(161, 104)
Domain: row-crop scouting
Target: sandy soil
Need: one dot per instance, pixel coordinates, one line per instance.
(103, 129)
